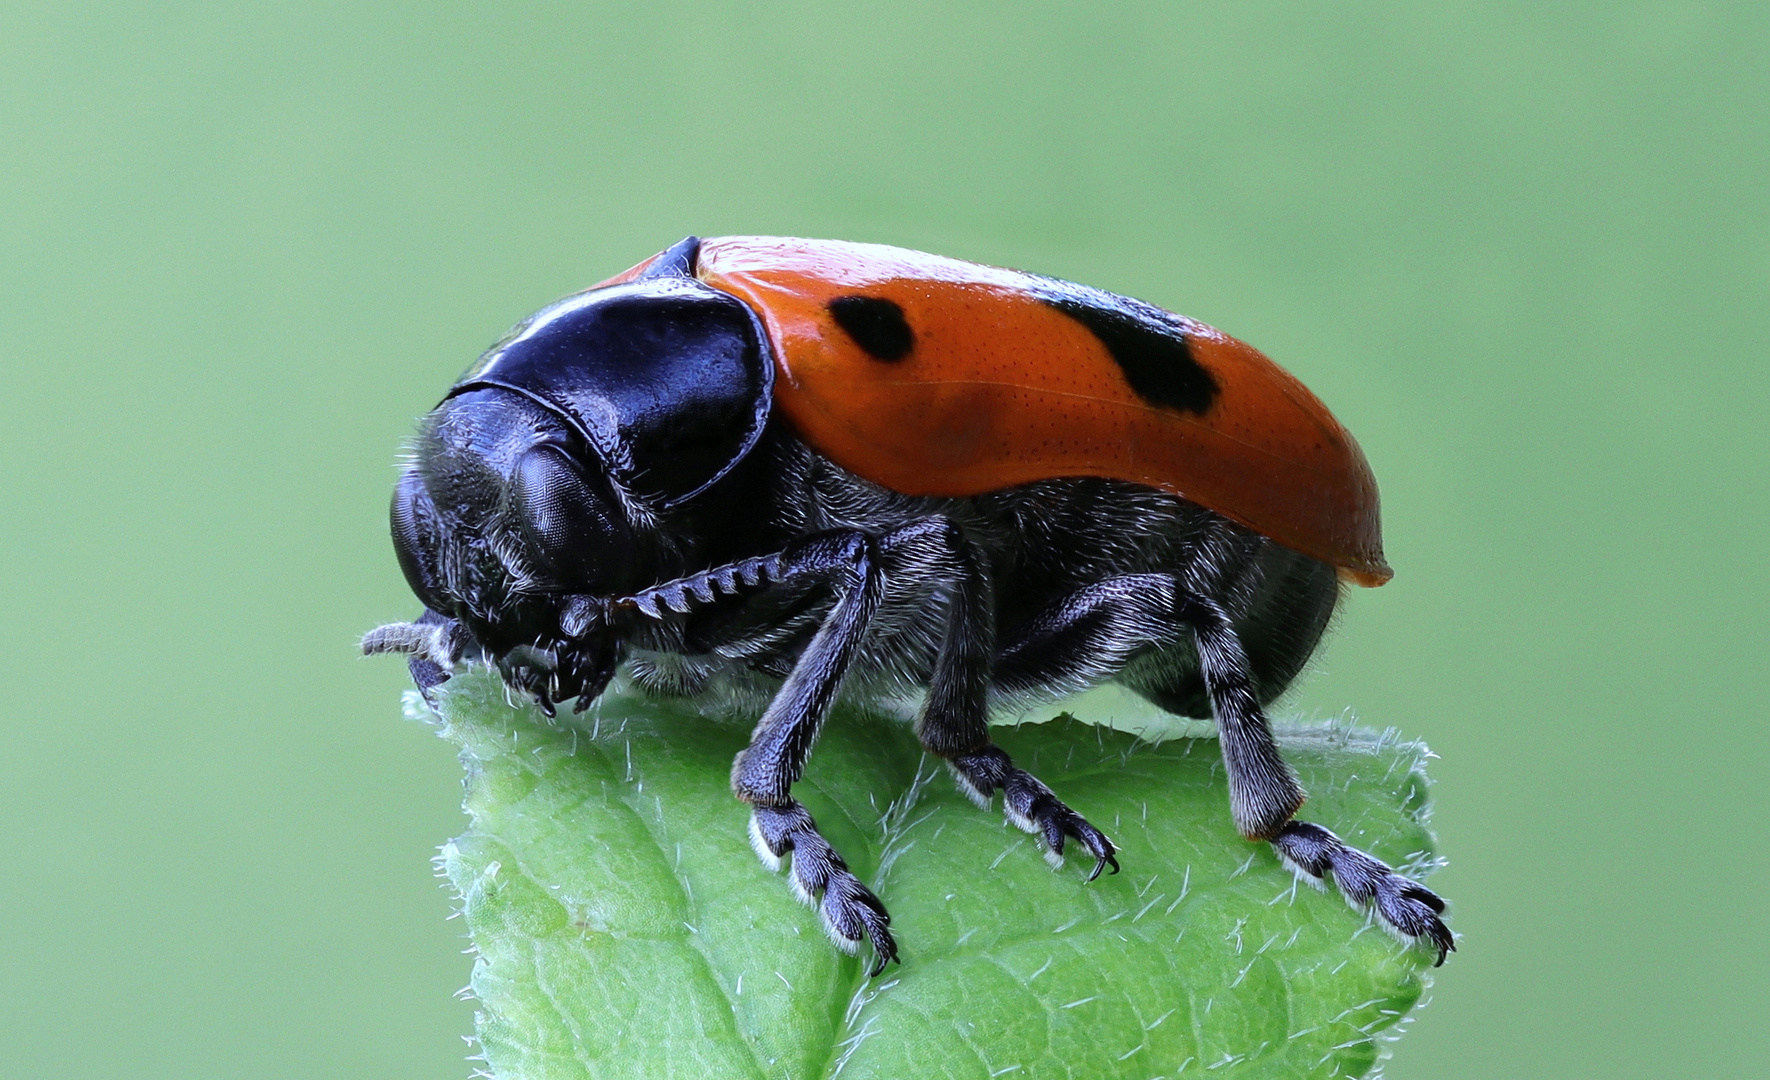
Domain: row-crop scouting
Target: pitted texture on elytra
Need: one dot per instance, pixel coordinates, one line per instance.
(625, 929)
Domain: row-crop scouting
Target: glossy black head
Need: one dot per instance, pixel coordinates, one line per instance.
(548, 471)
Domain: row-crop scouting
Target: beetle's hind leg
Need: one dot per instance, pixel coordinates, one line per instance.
(955, 723)
(1264, 795)
(1406, 908)
(1091, 634)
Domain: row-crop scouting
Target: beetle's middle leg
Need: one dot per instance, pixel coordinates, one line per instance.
(955, 722)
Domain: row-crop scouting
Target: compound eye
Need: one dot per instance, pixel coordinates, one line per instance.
(578, 537)
(415, 538)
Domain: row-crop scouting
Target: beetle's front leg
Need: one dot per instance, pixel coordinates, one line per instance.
(765, 772)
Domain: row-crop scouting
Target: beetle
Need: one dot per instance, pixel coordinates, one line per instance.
(791, 469)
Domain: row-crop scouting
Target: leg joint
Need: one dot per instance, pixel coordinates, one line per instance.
(847, 550)
(984, 769)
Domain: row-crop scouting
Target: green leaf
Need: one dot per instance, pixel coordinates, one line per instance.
(625, 929)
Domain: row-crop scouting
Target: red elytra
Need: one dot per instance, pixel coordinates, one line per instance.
(1002, 388)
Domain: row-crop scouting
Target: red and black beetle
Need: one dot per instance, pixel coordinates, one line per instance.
(794, 468)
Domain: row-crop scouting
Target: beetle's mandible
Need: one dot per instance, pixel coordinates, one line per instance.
(798, 468)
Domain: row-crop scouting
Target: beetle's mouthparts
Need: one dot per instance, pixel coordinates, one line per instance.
(529, 656)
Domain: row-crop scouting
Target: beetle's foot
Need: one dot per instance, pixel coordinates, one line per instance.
(1405, 908)
(1031, 806)
(849, 909)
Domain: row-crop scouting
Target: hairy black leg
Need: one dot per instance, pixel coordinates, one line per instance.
(1263, 792)
(1087, 636)
(764, 773)
(1091, 633)
(1030, 805)
(956, 717)
(822, 879)
(955, 722)
(1083, 638)
(1406, 908)
(775, 759)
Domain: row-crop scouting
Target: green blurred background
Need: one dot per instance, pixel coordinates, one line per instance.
(1522, 250)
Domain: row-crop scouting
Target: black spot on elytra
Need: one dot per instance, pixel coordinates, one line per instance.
(877, 325)
(1152, 353)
